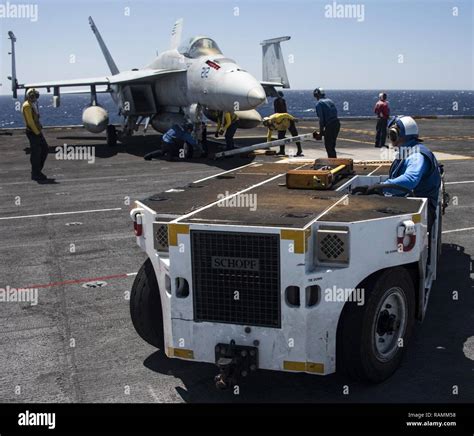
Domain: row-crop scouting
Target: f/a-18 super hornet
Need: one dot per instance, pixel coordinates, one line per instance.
(182, 83)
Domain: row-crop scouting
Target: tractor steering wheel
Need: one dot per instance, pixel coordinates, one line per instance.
(379, 188)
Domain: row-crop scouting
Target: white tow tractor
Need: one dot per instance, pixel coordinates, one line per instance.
(247, 273)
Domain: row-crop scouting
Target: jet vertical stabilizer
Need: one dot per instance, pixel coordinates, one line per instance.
(108, 57)
(176, 34)
(273, 64)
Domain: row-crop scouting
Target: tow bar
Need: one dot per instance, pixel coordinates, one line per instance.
(234, 361)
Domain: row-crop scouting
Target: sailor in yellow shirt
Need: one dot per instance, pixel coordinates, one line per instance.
(281, 122)
(227, 122)
(38, 144)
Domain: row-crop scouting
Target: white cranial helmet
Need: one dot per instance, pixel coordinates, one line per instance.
(407, 126)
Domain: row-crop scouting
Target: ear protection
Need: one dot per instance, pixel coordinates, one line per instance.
(319, 92)
(394, 132)
(31, 92)
(403, 127)
(396, 129)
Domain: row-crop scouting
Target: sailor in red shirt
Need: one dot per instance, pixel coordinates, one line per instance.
(382, 110)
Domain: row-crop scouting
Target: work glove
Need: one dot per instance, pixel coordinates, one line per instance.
(221, 132)
(317, 135)
(216, 134)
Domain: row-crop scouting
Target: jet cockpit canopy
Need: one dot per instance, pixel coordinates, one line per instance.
(200, 46)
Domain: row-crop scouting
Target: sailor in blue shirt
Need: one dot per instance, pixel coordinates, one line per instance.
(173, 140)
(416, 167)
(329, 124)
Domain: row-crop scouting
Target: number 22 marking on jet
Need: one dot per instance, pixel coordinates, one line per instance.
(205, 72)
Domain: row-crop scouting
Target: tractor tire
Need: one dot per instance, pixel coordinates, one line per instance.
(145, 306)
(373, 337)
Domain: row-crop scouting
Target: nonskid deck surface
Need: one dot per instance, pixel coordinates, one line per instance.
(256, 195)
(182, 200)
(87, 207)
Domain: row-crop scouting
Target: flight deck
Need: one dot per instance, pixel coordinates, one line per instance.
(72, 239)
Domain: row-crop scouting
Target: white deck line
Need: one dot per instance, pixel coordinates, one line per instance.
(460, 183)
(59, 213)
(458, 230)
(380, 166)
(224, 172)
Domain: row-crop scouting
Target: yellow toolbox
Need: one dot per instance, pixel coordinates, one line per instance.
(333, 163)
(325, 173)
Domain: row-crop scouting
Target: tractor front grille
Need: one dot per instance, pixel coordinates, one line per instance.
(236, 277)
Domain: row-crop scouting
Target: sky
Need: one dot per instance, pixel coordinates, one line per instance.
(390, 44)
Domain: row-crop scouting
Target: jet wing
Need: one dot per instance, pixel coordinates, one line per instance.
(86, 91)
(127, 77)
(65, 83)
(144, 75)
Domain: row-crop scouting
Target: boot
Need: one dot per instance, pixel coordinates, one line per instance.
(281, 152)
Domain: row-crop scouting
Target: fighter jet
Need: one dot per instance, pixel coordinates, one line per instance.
(182, 83)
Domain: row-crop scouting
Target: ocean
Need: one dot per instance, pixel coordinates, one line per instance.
(355, 103)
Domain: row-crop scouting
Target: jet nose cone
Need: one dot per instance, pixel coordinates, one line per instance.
(256, 96)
